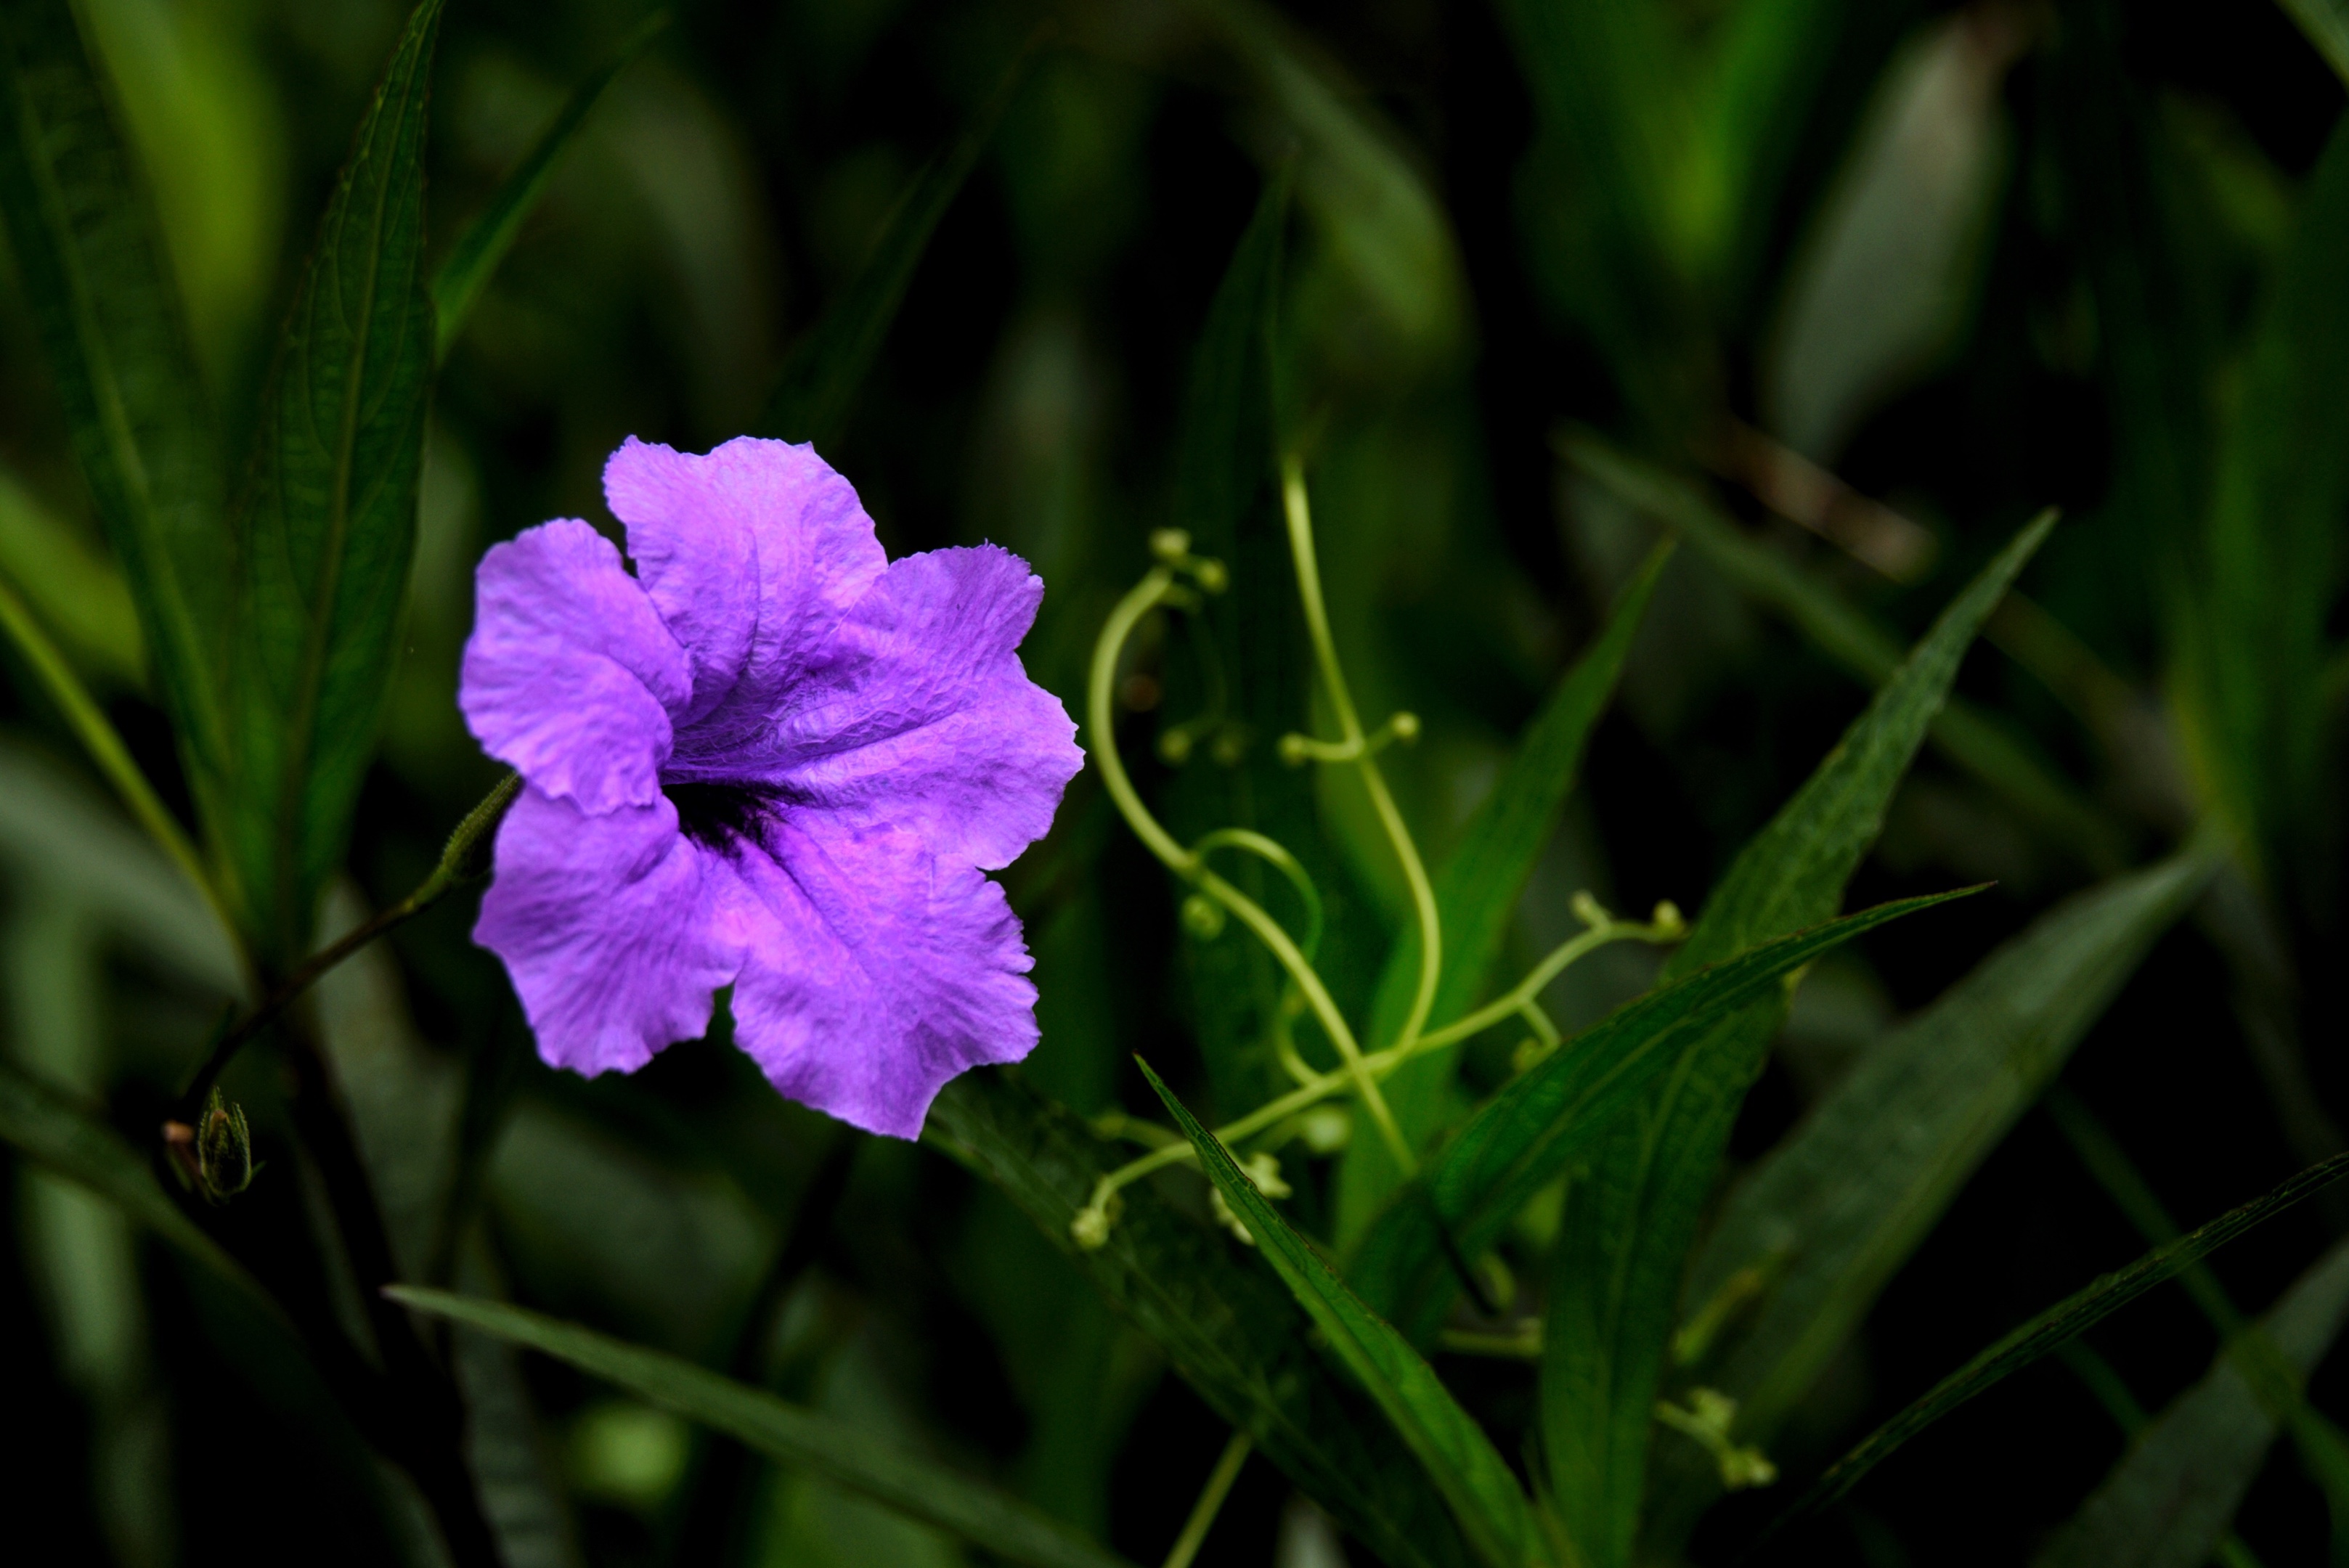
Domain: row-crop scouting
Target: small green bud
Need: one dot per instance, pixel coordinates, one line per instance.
(1668, 920)
(1211, 574)
(1264, 1171)
(1175, 745)
(1202, 917)
(215, 1156)
(1295, 749)
(1405, 725)
(1589, 910)
(1170, 545)
(1226, 1218)
(1326, 1129)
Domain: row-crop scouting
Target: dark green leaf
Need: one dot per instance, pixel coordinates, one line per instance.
(2051, 1330)
(1627, 1228)
(1525, 1136)
(1808, 1241)
(475, 257)
(1476, 892)
(848, 1455)
(2254, 620)
(1966, 736)
(827, 367)
(2326, 23)
(1484, 1496)
(330, 520)
(2168, 1501)
(1228, 1326)
(97, 276)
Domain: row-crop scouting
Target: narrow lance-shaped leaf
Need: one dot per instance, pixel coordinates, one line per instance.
(846, 1455)
(330, 518)
(2326, 23)
(97, 278)
(2253, 615)
(2065, 821)
(828, 366)
(1476, 892)
(1626, 1227)
(1527, 1134)
(2168, 1503)
(2050, 1331)
(1484, 1496)
(1808, 1240)
(1227, 1327)
(474, 258)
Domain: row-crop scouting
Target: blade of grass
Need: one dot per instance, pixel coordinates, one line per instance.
(2051, 1330)
(1476, 892)
(477, 253)
(1485, 1497)
(845, 1455)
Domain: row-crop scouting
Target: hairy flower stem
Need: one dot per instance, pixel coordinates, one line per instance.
(457, 865)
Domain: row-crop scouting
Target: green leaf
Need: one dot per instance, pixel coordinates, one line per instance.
(478, 252)
(330, 519)
(49, 1126)
(2326, 23)
(827, 367)
(1627, 1228)
(848, 1455)
(96, 277)
(2252, 620)
(1967, 737)
(2051, 1330)
(77, 593)
(1228, 1327)
(1476, 892)
(1811, 1236)
(2170, 1499)
(1484, 1496)
(1525, 1136)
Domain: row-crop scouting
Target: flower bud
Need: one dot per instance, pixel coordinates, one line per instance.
(223, 1150)
(1170, 545)
(1202, 917)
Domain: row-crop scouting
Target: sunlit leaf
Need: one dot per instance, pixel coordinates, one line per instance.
(846, 1455)
(2051, 1330)
(1808, 1240)
(2326, 23)
(474, 258)
(1527, 1134)
(1476, 892)
(1484, 1496)
(330, 518)
(1226, 1324)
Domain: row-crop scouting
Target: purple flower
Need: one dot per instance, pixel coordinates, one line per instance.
(772, 759)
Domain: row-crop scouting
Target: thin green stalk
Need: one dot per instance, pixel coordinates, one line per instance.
(1211, 1502)
(98, 737)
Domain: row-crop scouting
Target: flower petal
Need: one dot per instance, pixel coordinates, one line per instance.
(614, 928)
(752, 553)
(569, 674)
(922, 716)
(876, 971)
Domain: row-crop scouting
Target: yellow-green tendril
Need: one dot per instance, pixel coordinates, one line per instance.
(1090, 1227)
(1355, 746)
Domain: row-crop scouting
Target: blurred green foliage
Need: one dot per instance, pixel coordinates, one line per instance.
(1837, 296)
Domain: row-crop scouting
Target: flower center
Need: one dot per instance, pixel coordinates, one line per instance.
(721, 816)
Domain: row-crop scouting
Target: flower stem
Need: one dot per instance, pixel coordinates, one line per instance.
(1211, 1502)
(458, 864)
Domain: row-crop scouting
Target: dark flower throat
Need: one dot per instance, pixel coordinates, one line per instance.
(722, 817)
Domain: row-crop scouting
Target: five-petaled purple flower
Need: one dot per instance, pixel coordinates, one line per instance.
(772, 759)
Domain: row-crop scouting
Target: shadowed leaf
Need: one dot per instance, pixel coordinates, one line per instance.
(330, 517)
(1457, 1455)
